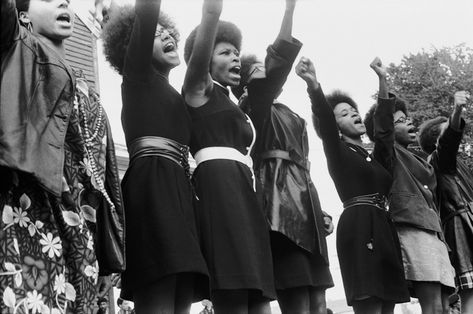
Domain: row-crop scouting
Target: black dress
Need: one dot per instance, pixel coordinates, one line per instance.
(367, 243)
(234, 232)
(290, 200)
(161, 235)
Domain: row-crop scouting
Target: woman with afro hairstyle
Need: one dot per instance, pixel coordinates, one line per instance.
(367, 242)
(440, 137)
(60, 198)
(234, 231)
(166, 271)
(413, 208)
(290, 200)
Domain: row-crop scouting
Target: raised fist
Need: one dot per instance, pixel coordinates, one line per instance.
(379, 68)
(306, 70)
(461, 99)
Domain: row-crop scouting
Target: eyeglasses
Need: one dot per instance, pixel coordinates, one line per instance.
(403, 119)
(160, 32)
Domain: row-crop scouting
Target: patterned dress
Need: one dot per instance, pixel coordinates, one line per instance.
(47, 258)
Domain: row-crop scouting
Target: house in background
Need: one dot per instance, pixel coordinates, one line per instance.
(81, 48)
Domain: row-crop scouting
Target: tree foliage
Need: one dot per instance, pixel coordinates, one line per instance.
(428, 80)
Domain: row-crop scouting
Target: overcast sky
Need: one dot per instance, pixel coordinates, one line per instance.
(340, 36)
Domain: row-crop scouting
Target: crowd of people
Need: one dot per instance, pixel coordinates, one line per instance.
(245, 227)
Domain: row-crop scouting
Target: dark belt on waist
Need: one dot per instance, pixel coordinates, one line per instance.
(456, 213)
(376, 200)
(282, 154)
(162, 147)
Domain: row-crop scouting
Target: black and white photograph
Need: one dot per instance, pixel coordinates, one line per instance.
(236, 157)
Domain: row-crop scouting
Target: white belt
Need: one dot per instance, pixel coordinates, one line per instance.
(222, 152)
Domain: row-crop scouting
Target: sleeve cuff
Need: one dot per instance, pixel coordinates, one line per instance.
(454, 130)
(286, 49)
(451, 132)
(386, 105)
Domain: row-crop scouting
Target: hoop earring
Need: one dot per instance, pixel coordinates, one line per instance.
(29, 26)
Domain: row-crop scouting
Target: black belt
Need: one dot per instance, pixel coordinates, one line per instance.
(456, 213)
(282, 154)
(376, 200)
(160, 146)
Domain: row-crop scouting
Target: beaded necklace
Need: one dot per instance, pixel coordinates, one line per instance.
(89, 138)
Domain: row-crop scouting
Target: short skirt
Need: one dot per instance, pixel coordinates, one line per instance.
(161, 232)
(295, 267)
(425, 256)
(233, 229)
(369, 255)
(458, 232)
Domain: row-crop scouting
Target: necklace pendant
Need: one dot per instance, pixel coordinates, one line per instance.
(368, 158)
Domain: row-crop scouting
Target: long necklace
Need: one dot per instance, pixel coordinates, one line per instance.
(89, 138)
(362, 151)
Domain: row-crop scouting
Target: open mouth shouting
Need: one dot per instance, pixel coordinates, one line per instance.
(64, 18)
(412, 131)
(358, 121)
(235, 70)
(170, 46)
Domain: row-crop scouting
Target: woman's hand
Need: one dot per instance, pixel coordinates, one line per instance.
(306, 70)
(460, 100)
(379, 68)
(382, 73)
(328, 225)
(104, 284)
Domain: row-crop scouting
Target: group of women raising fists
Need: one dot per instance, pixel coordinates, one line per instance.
(246, 227)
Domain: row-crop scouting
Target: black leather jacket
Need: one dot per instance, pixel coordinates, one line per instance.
(455, 193)
(455, 182)
(290, 200)
(36, 100)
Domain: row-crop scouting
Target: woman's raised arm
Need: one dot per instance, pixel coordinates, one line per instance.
(198, 82)
(139, 53)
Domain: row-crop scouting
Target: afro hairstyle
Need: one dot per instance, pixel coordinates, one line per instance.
(337, 97)
(246, 62)
(429, 132)
(399, 105)
(22, 5)
(226, 32)
(117, 30)
(333, 99)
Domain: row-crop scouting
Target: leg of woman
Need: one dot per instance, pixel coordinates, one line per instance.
(294, 300)
(429, 295)
(318, 304)
(184, 293)
(388, 308)
(156, 298)
(368, 306)
(258, 304)
(445, 298)
(230, 301)
(466, 297)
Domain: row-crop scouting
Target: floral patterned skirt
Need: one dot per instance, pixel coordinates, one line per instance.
(47, 262)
